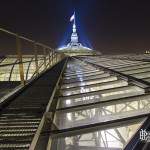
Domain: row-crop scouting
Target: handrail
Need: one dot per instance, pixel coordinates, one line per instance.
(49, 56)
(40, 127)
(22, 37)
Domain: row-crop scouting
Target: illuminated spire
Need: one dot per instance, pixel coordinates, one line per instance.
(74, 35)
(74, 44)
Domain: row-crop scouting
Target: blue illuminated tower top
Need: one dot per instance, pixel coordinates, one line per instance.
(74, 35)
(74, 44)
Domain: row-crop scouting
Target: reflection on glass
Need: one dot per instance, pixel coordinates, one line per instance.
(100, 96)
(124, 92)
(94, 81)
(96, 72)
(142, 75)
(147, 79)
(134, 67)
(137, 71)
(118, 63)
(111, 64)
(5, 73)
(114, 138)
(78, 101)
(78, 67)
(74, 73)
(11, 72)
(80, 79)
(114, 84)
(103, 112)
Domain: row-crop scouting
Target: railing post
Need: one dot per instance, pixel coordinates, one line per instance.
(52, 57)
(56, 57)
(19, 55)
(44, 52)
(49, 57)
(36, 59)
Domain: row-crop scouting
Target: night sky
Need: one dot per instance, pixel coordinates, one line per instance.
(110, 26)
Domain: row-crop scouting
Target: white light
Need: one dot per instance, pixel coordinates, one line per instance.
(62, 48)
(68, 102)
(81, 79)
(69, 116)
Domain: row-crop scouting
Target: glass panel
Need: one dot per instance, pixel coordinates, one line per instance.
(111, 64)
(94, 81)
(32, 70)
(102, 112)
(137, 71)
(129, 65)
(100, 96)
(15, 76)
(78, 67)
(88, 78)
(8, 60)
(142, 75)
(102, 86)
(84, 75)
(148, 79)
(134, 67)
(74, 74)
(25, 67)
(114, 138)
(120, 66)
(5, 73)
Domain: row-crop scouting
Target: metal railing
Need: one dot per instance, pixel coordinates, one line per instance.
(42, 55)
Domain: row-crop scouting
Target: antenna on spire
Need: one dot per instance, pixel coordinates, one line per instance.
(74, 43)
(74, 18)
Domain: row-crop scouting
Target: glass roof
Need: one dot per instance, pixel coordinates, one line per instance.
(91, 96)
(9, 68)
(137, 66)
(102, 112)
(97, 87)
(114, 138)
(90, 82)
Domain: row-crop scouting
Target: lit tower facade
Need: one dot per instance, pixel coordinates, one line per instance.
(74, 35)
(74, 44)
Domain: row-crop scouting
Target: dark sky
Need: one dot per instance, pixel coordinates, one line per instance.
(111, 26)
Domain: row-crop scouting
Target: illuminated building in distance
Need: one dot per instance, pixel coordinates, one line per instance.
(74, 44)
